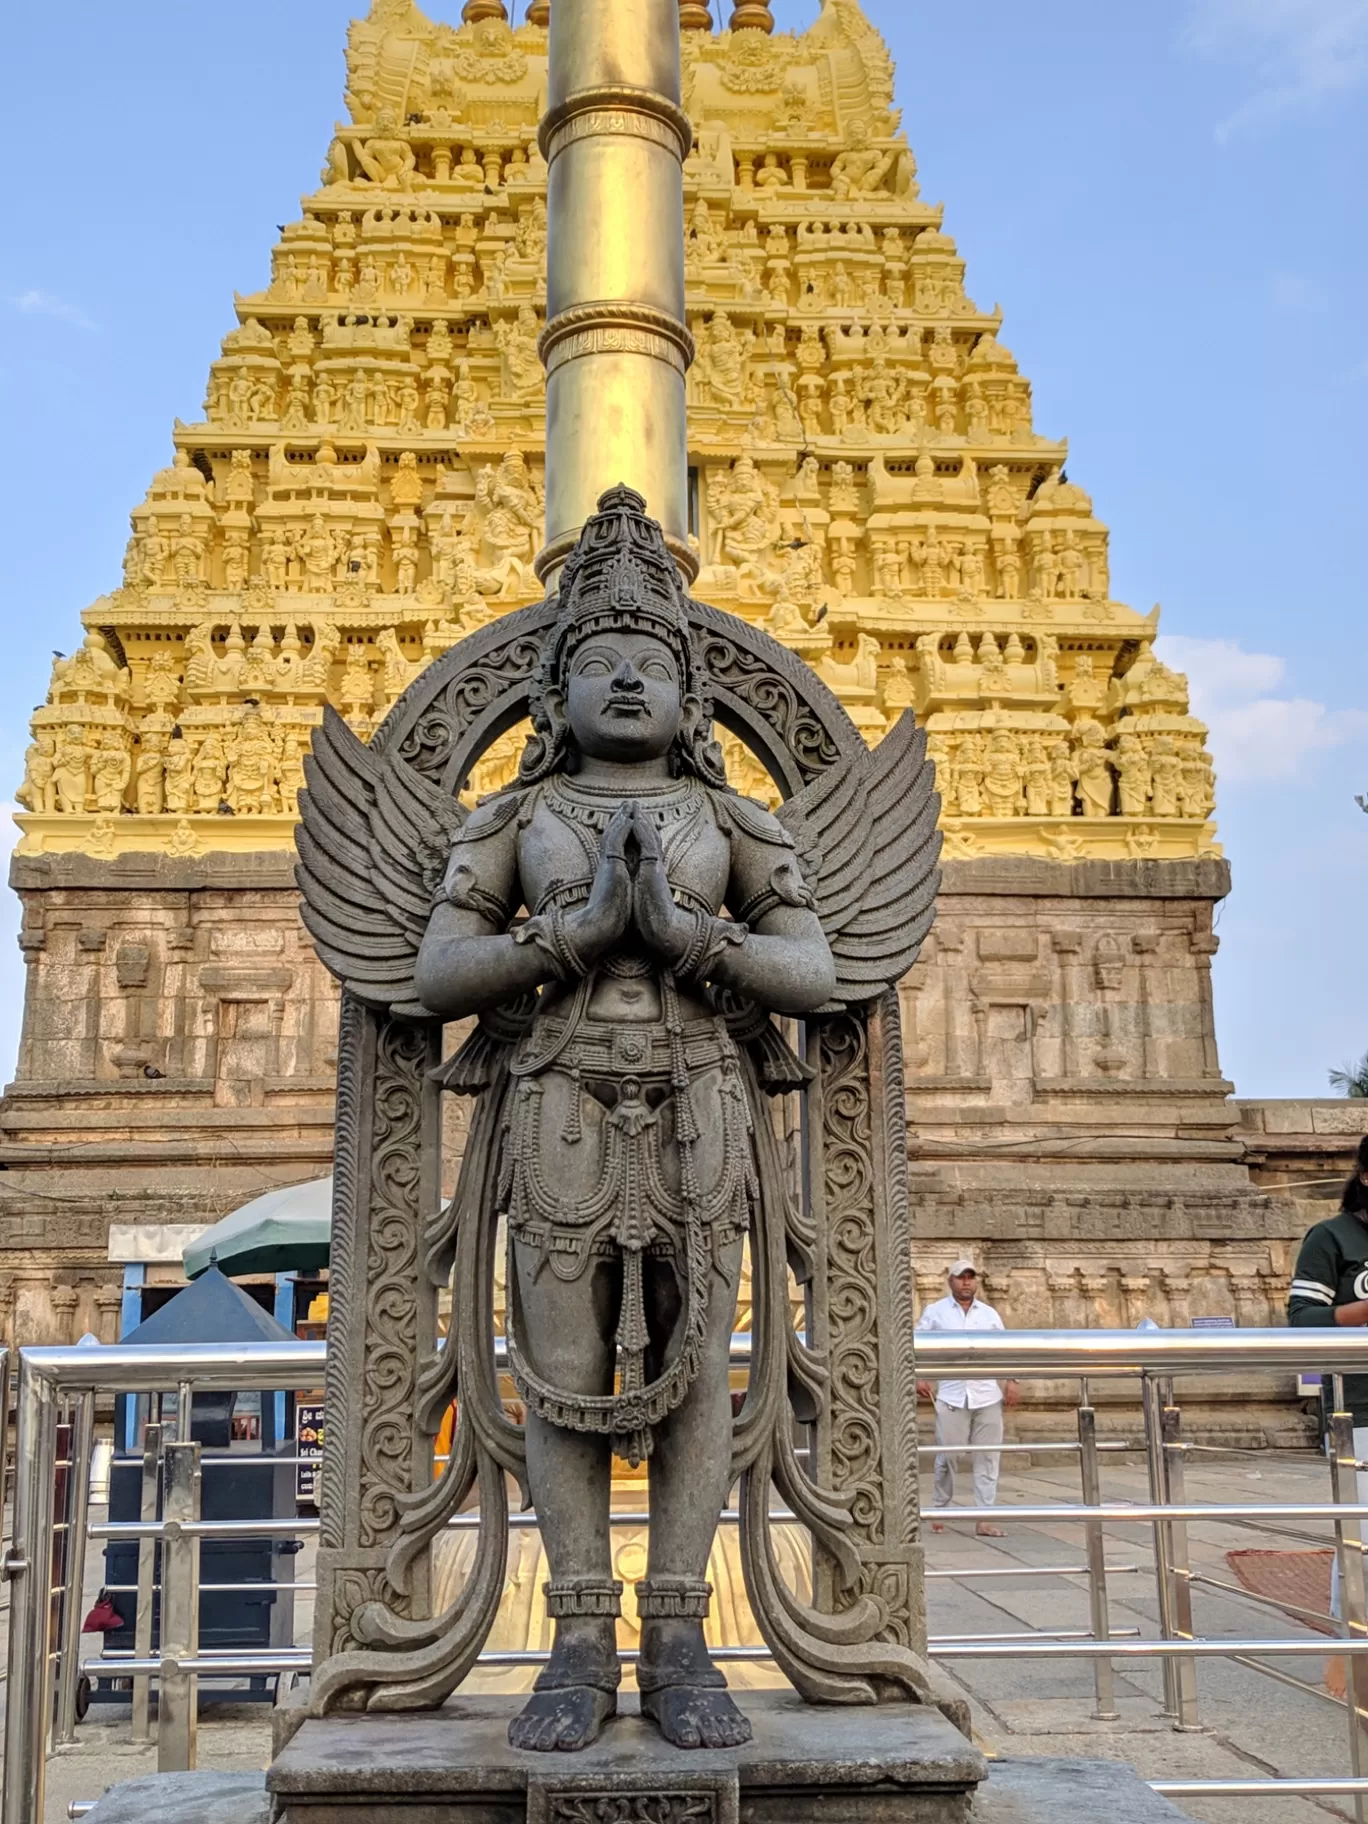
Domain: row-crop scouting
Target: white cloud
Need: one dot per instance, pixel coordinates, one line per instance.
(1299, 51)
(34, 303)
(1255, 733)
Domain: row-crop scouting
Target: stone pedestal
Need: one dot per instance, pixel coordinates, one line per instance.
(1037, 1791)
(893, 1764)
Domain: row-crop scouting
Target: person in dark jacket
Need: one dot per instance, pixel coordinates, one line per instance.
(1330, 1287)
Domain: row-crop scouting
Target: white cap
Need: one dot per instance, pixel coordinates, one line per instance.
(964, 1264)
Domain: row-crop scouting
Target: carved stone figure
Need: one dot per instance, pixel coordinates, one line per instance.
(251, 763)
(518, 340)
(110, 769)
(290, 774)
(1166, 769)
(967, 775)
(385, 158)
(149, 785)
(209, 776)
(621, 1062)
(744, 507)
(1002, 785)
(723, 361)
(38, 792)
(70, 769)
(1132, 776)
(1062, 776)
(509, 510)
(1036, 778)
(178, 772)
(860, 168)
(1094, 771)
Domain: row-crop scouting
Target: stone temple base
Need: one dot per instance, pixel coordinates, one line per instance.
(891, 1765)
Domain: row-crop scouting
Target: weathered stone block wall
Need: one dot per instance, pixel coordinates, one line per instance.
(1067, 1119)
(177, 1058)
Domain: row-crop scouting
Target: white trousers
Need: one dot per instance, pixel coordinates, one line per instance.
(1361, 1452)
(960, 1425)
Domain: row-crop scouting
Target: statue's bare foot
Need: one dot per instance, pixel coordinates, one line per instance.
(567, 1719)
(694, 1716)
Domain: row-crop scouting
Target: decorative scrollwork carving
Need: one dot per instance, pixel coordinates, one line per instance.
(852, 1268)
(391, 1332)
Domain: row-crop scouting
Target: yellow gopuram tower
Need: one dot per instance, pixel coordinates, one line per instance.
(365, 486)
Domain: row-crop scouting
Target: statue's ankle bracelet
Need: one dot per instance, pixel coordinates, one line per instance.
(673, 1598)
(583, 1598)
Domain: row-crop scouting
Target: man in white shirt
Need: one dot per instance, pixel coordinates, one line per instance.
(967, 1412)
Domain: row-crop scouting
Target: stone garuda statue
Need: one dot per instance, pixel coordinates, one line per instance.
(623, 927)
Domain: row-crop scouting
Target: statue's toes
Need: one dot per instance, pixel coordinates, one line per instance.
(565, 1720)
(721, 1723)
(684, 1727)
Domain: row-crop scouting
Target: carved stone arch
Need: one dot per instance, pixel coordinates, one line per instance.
(864, 1636)
(762, 693)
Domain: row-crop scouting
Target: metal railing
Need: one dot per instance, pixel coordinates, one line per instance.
(45, 1565)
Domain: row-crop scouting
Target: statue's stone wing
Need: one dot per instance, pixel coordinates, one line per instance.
(867, 837)
(373, 840)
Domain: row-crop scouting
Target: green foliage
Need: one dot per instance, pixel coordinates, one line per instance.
(1352, 1079)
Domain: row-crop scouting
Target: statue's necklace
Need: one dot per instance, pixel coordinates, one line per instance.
(583, 802)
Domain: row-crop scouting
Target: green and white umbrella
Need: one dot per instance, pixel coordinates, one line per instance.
(284, 1231)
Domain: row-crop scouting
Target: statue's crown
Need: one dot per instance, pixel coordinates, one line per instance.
(621, 576)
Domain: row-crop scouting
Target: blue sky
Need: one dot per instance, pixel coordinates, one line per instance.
(1167, 200)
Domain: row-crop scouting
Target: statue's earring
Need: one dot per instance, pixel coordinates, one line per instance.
(558, 730)
(686, 741)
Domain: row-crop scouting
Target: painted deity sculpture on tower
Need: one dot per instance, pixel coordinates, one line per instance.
(625, 924)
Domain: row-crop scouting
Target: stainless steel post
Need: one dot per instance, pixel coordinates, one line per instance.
(1103, 1679)
(4, 1431)
(28, 1691)
(1180, 1567)
(74, 1560)
(1349, 1549)
(185, 1408)
(1154, 1462)
(147, 1583)
(177, 1689)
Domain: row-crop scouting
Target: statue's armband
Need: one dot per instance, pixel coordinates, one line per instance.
(481, 868)
(766, 871)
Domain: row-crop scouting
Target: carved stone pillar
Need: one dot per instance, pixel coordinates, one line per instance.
(64, 1301)
(1096, 1288)
(1178, 1291)
(1135, 1297)
(930, 1287)
(1204, 945)
(1027, 1299)
(1063, 1290)
(1251, 1307)
(1146, 946)
(33, 1318)
(108, 1306)
(1273, 1290)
